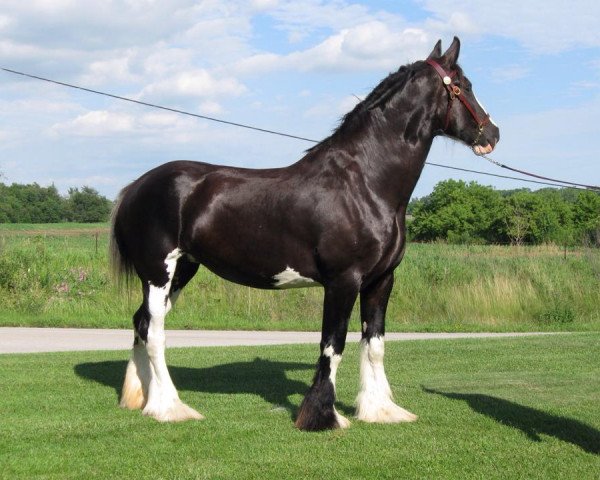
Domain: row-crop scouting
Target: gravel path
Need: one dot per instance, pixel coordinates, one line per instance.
(34, 340)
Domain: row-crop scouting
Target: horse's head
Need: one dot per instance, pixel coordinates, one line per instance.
(461, 115)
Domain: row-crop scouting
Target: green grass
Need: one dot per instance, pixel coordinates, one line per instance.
(57, 275)
(497, 408)
(44, 228)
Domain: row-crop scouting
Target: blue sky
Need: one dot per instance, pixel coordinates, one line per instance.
(294, 66)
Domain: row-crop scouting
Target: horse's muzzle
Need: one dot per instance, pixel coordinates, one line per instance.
(492, 137)
(479, 150)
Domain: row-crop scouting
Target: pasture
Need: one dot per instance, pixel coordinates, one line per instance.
(58, 275)
(495, 408)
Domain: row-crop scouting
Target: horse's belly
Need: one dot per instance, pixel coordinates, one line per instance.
(284, 279)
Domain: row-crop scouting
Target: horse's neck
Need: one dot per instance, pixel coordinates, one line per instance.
(392, 160)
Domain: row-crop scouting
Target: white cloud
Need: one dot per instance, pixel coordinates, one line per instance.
(95, 25)
(148, 128)
(261, 5)
(166, 60)
(302, 19)
(10, 50)
(5, 135)
(117, 69)
(114, 39)
(541, 26)
(210, 107)
(194, 83)
(368, 46)
(5, 21)
(95, 124)
(39, 106)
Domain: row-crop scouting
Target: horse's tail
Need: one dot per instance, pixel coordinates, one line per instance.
(121, 264)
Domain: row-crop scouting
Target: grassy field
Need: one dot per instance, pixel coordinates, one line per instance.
(496, 408)
(57, 275)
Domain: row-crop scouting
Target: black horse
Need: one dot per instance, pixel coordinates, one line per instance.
(335, 218)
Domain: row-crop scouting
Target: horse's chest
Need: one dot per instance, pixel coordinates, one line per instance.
(388, 247)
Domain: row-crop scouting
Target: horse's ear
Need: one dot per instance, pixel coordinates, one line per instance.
(437, 50)
(451, 55)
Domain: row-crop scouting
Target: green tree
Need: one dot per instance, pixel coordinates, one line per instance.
(30, 204)
(517, 217)
(538, 217)
(87, 205)
(586, 217)
(458, 212)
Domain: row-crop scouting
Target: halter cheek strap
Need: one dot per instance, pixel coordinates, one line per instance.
(455, 92)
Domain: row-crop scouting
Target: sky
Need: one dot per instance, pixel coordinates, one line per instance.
(292, 66)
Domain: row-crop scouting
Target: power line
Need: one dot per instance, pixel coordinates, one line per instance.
(552, 182)
(168, 109)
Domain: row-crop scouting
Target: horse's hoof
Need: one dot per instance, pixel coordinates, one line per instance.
(342, 421)
(315, 420)
(387, 412)
(178, 412)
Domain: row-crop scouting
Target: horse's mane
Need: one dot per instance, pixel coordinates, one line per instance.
(377, 99)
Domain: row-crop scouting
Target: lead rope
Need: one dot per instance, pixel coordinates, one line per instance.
(501, 165)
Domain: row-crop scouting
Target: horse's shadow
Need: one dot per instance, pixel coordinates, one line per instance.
(530, 421)
(265, 378)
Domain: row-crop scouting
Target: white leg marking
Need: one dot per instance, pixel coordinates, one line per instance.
(163, 401)
(334, 363)
(137, 379)
(374, 402)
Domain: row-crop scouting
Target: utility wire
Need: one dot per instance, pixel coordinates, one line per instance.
(139, 102)
(552, 182)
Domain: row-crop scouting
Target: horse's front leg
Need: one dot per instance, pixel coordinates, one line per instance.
(375, 402)
(317, 411)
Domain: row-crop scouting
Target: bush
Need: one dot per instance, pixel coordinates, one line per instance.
(468, 213)
(35, 204)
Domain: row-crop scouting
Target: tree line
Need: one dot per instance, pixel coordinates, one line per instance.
(461, 212)
(36, 204)
(455, 212)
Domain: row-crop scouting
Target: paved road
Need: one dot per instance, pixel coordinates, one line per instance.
(33, 340)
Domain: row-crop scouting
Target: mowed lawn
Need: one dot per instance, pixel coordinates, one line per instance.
(496, 408)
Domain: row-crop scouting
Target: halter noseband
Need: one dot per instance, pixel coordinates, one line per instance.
(455, 92)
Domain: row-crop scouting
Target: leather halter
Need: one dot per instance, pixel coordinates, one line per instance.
(455, 92)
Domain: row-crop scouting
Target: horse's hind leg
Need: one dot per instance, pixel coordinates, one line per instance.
(148, 384)
(134, 394)
(137, 376)
(375, 402)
